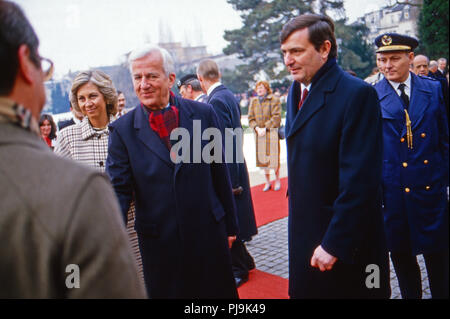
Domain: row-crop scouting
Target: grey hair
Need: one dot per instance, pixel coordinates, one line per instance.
(195, 84)
(104, 85)
(208, 69)
(442, 59)
(168, 63)
(433, 63)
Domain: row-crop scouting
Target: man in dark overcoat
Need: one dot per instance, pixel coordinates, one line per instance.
(337, 244)
(415, 168)
(185, 210)
(228, 111)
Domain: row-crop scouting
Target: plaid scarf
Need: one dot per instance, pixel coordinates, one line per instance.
(164, 121)
(12, 112)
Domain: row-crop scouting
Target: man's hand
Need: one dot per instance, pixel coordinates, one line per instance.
(231, 240)
(322, 260)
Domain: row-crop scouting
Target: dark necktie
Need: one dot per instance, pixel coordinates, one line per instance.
(403, 95)
(304, 95)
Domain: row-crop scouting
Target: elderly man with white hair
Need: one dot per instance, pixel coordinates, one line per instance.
(185, 211)
(442, 66)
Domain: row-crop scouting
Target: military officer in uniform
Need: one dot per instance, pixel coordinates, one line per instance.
(415, 168)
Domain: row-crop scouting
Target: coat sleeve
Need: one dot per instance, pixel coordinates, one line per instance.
(96, 241)
(119, 171)
(251, 115)
(360, 166)
(63, 145)
(275, 114)
(222, 186)
(224, 117)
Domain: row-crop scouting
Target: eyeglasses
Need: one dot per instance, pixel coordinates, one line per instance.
(47, 68)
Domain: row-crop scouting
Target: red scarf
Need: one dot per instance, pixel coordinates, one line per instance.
(48, 141)
(164, 121)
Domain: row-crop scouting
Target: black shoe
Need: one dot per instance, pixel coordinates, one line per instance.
(241, 280)
(251, 264)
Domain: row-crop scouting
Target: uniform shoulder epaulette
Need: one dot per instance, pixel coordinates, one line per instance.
(427, 77)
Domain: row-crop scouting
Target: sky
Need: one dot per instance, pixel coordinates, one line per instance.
(80, 34)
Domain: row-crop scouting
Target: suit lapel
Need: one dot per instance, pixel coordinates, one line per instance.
(420, 99)
(214, 92)
(186, 122)
(149, 137)
(313, 103)
(391, 105)
(291, 106)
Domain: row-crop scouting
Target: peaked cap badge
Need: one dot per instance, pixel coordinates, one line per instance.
(386, 40)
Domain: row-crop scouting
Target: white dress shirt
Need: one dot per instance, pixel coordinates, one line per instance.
(302, 86)
(212, 87)
(395, 85)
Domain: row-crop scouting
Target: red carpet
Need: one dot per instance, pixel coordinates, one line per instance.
(270, 206)
(262, 285)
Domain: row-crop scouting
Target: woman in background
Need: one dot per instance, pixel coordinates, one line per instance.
(264, 115)
(48, 130)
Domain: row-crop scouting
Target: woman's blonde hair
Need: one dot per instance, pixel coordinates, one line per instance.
(265, 84)
(104, 85)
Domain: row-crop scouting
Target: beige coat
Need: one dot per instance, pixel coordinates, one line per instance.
(55, 213)
(266, 114)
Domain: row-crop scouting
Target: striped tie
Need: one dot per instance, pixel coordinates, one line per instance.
(304, 95)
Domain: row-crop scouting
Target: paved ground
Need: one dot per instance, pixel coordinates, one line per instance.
(270, 250)
(270, 247)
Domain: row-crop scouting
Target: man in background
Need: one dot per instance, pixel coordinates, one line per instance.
(59, 221)
(420, 67)
(190, 88)
(227, 108)
(121, 104)
(433, 68)
(442, 67)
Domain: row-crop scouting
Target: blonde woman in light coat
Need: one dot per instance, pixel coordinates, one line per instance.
(264, 117)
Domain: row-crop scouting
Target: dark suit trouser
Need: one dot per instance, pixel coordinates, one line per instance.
(241, 259)
(409, 276)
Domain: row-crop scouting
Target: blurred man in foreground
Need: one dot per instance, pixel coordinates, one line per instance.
(59, 221)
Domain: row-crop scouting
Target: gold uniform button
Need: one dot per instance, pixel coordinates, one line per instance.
(423, 135)
(425, 162)
(427, 188)
(407, 190)
(405, 164)
(402, 140)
